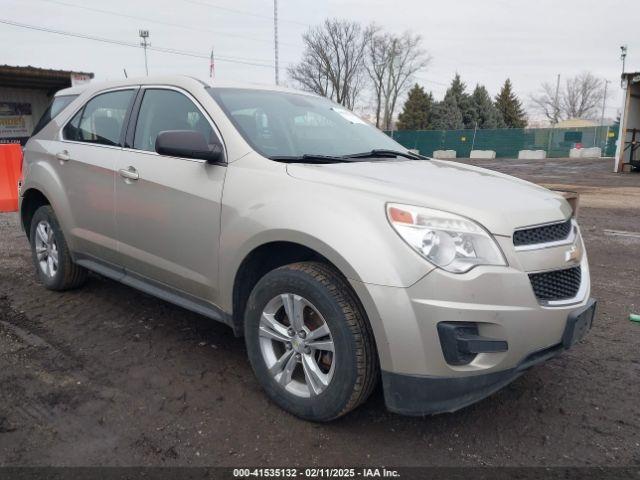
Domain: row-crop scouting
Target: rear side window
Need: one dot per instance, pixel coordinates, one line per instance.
(101, 120)
(55, 107)
(168, 110)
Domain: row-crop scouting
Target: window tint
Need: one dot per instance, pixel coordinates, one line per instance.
(101, 120)
(55, 107)
(168, 110)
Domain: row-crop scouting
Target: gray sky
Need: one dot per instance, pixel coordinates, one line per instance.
(485, 41)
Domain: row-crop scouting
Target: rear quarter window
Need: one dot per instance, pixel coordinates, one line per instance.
(55, 107)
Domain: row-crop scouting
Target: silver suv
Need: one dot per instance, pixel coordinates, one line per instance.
(340, 256)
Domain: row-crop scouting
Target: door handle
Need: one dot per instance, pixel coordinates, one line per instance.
(129, 173)
(63, 156)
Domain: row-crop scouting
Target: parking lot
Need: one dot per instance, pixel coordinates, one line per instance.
(109, 376)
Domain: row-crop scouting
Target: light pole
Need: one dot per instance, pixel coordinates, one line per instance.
(623, 57)
(144, 35)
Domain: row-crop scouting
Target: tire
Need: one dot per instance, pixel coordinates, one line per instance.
(63, 275)
(346, 377)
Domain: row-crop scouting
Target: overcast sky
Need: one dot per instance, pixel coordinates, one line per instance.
(485, 41)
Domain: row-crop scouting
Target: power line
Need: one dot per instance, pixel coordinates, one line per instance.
(244, 12)
(435, 82)
(159, 22)
(171, 51)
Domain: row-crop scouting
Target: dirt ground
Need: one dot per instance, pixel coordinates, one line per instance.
(109, 376)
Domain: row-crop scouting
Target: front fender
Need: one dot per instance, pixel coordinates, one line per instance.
(262, 204)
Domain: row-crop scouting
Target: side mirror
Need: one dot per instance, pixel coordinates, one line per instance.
(188, 144)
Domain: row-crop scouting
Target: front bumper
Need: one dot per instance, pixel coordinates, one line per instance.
(500, 304)
(423, 395)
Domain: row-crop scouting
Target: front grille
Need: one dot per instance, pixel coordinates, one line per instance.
(556, 285)
(544, 234)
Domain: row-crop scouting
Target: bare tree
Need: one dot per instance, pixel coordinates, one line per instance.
(377, 66)
(332, 64)
(392, 61)
(583, 96)
(407, 57)
(547, 102)
(580, 97)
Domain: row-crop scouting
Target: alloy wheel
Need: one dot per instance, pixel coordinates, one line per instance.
(297, 345)
(46, 249)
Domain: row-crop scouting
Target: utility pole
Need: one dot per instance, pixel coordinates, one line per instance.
(275, 37)
(144, 35)
(556, 106)
(604, 101)
(556, 115)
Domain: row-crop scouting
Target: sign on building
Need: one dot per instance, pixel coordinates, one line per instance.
(16, 121)
(79, 79)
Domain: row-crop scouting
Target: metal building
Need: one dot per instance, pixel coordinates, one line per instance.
(25, 93)
(628, 148)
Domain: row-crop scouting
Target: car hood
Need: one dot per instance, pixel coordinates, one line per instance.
(501, 203)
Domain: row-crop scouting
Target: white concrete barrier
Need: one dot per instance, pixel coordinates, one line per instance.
(444, 154)
(532, 155)
(593, 152)
(575, 153)
(483, 154)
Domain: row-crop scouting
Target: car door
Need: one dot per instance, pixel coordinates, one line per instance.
(86, 158)
(168, 208)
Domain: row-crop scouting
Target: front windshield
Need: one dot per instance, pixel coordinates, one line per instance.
(282, 124)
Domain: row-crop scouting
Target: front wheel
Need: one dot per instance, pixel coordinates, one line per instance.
(309, 342)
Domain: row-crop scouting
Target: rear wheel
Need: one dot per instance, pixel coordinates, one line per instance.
(309, 343)
(50, 253)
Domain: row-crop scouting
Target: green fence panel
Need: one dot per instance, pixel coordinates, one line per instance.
(507, 142)
(458, 140)
(422, 140)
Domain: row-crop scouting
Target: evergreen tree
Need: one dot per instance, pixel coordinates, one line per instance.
(510, 107)
(487, 115)
(416, 114)
(447, 115)
(457, 90)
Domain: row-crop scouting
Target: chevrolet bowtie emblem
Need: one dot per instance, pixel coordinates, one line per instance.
(574, 254)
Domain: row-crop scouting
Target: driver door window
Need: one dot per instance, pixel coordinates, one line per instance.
(163, 110)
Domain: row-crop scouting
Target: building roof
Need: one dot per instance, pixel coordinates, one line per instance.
(33, 77)
(631, 77)
(575, 123)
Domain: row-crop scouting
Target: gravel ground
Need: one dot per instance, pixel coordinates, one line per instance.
(109, 376)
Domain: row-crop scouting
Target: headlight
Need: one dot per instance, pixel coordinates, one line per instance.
(449, 241)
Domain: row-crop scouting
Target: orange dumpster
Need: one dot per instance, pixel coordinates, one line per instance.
(10, 171)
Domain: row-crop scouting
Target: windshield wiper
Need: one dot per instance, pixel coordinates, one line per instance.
(309, 158)
(383, 153)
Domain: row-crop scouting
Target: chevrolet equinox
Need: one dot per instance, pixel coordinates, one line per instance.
(343, 258)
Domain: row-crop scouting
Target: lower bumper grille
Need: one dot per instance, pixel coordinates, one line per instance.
(556, 285)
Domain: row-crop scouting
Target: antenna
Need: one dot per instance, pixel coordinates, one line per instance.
(144, 35)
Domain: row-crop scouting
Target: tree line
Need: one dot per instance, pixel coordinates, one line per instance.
(343, 59)
(461, 110)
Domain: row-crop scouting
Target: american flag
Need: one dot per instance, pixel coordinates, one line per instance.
(212, 66)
